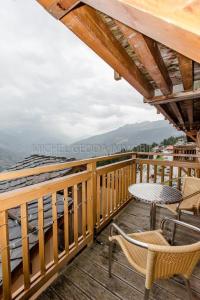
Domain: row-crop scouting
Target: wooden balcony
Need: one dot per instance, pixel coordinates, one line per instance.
(87, 275)
(69, 214)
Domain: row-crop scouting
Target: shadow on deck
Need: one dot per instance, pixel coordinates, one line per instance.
(86, 277)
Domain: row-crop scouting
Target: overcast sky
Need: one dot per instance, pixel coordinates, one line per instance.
(52, 84)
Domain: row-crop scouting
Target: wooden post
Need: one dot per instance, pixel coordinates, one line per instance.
(92, 196)
(5, 255)
(134, 169)
(198, 151)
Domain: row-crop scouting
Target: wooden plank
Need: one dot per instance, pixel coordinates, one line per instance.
(186, 69)
(170, 176)
(104, 196)
(5, 255)
(66, 220)
(174, 20)
(93, 189)
(148, 169)
(176, 97)
(25, 246)
(55, 228)
(59, 8)
(41, 236)
(84, 206)
(75, 206)
(149, 55)
(113, 190)
(90, 28)
(177, 113)
(108, 195)
(155, 173)
(98, 200)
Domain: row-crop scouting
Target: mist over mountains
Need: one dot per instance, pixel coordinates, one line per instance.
(125, 137)
(15, 146)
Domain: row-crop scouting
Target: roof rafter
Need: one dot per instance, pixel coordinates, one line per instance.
(176, 97)
(186, 69)
(149, 55)
(177, 113)
(91, 29)
(174, 24)
(59, 8)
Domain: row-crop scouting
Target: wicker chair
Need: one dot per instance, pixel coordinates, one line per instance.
(190, 201)
(150, 254)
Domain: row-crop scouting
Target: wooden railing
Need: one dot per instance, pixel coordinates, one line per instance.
(96, 195)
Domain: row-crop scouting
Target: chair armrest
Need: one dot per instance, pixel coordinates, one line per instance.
(126, 236)
(192, 227)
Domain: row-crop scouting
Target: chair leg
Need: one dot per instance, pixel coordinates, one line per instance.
(110, 258)
(189, 291)
(146, 294)
(178, 217)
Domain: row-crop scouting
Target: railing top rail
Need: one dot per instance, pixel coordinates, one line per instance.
(168, 154)
(11, 175)
(174, 163)
(19, 196)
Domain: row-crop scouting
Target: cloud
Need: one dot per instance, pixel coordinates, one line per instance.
(53, 85)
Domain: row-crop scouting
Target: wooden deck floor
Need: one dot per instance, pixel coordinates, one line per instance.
(86, 277)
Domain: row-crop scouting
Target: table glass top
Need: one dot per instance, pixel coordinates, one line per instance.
(154, 192)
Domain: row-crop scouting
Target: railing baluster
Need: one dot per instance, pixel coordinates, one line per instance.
(104, 196)
(25, 246)
(116, 188)
(84, 208)
(122, 178)
(98, 201)
(66, 221)
(55, 227)
(147, 172)
(5, 255)
(113, 190)
(120, 187)
(179, 178)
(162, 174)
(76, 215)
(141, 172)
(170, 175)
(41, 235)
(155, 173)
(108, 195)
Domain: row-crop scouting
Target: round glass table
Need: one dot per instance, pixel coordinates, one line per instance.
(154, 193)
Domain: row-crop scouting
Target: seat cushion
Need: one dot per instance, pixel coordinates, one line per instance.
(136, 255)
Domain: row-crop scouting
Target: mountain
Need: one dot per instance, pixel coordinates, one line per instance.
(125, 137)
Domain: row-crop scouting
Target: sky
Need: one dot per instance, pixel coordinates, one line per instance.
(52, 85)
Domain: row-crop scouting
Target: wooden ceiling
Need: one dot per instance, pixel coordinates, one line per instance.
(154, 45)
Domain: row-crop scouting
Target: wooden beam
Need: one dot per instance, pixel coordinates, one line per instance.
(182, 96)
(186, 69)
(59, 8)
(90, 28)
(189, 107)
(173, 23)
(149, 55)
(177, 113)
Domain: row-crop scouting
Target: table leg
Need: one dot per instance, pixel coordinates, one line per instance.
(153, 216)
